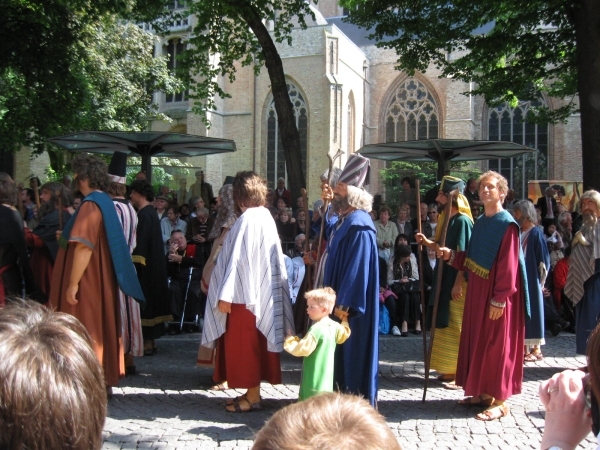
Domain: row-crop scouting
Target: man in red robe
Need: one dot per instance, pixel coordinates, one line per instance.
(490, 357)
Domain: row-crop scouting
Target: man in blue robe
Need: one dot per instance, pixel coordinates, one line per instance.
(352, 270)
(537, 266)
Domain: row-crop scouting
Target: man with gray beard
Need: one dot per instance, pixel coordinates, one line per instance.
(351, 268)
(583, 279)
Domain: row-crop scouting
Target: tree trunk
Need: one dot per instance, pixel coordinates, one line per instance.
(290, 138)
(587, 31)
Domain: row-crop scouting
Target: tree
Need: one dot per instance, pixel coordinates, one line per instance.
(76, 65)
(512, 50)
(425, 172)
(234, 31)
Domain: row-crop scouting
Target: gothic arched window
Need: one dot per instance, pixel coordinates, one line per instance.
(275, 154)
(173, 48)
(510, 124)
(411, 114)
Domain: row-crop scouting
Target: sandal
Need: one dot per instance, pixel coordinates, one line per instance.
(533, 357)
(451, 386)
(477, 401)
(493, 412)
(446, 377)
(257, 406)
(219, 387)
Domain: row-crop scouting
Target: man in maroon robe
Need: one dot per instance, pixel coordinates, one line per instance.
(490, 357)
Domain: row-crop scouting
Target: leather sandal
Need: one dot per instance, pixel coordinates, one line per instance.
(237, 406)
(219, 387)
(477, 401)
(493, 412)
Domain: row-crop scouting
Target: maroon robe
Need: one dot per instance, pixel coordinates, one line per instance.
(490, 357)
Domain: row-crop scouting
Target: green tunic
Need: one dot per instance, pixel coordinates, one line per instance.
(317, 369)
(457, 238)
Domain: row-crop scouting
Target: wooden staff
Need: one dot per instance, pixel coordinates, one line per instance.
(58, 194)
(326, 203)
(421, 280)
(438, 286)
(36, 192)
(301, 302)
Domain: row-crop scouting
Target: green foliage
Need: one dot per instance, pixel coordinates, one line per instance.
(511, 50)
(222, 40)
(165, 171)
(73, 65)
(425, 172)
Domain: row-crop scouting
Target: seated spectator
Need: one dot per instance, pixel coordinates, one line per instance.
(552, 236)
(181, 258)
(45, 403)
(327, 421)
(556, 254)
(283, 193)
(403, 276)
(303, 226)
(200, 228)
(286, 228)
(425, 225)
(184, 212)
(171, 223)
(403, 221)
(565, 227)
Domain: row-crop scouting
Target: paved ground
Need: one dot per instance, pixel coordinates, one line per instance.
(167, 405)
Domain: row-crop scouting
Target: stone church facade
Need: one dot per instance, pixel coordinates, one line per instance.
(346, 93)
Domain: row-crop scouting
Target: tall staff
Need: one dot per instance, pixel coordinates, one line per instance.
(421, 280)
(438, 287)
(36, 192)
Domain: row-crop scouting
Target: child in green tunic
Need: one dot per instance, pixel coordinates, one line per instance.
(318, 346)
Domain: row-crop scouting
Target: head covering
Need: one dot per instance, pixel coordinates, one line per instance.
(117, 169)
(161, 197)
(356, 171)
(225, 213)
(448, 185)
(228, 179)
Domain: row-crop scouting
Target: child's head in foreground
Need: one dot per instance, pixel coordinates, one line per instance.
(320, 302)
(329, 421)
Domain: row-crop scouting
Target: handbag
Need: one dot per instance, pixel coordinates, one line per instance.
(384, 320)
(406, 288)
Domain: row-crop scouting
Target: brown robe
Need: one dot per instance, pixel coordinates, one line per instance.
(98, 294)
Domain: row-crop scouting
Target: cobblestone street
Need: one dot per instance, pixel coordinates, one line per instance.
(168, 404)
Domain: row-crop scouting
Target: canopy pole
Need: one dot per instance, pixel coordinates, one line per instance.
(441, 170)
(147, 166)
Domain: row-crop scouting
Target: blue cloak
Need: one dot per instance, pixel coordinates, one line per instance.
(536, 253)
(352, 270)
(587, 311)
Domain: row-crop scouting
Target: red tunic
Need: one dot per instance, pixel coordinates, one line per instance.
(242, 356)
(98, 306)
(490, 357)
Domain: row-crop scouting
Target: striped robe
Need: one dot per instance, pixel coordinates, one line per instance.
(131, 323)
(251, 270)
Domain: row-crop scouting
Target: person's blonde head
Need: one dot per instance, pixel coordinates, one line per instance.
(329, 421)
(502, 183)
(249, 190)
(324, 297)
(591, 195)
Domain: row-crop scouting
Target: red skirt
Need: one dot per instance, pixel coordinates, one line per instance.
(242, 356)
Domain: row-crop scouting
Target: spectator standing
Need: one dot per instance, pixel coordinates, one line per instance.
(408, 196)
(547, 205)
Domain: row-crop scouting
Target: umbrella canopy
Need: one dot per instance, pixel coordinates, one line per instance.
(144, 143)
(443, 150)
